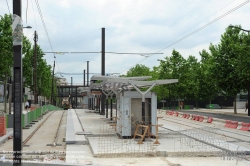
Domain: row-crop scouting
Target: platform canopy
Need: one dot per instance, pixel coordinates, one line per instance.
(126, 83)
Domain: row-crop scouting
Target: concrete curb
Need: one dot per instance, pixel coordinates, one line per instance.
(5, 137)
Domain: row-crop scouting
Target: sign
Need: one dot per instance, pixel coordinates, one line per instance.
(17, 30)
(163, 101)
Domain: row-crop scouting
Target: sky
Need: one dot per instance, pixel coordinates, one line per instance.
(131, 26)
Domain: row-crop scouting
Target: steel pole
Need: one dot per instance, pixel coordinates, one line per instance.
(103, 70)
(87, 73)
(18, 93)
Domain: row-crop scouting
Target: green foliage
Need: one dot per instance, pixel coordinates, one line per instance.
(44, 71)
(173, 67)
(139, 70)
(207, 88)
(192, 78)
(229, 60)
(6, 57)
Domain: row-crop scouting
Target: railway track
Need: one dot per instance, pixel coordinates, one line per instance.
(57, 131)
(200, 124)
(54, 142)
(32, 134)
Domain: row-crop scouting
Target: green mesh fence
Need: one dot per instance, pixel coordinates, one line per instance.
(33, 115)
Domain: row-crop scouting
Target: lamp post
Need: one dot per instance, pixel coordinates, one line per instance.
(248, 88)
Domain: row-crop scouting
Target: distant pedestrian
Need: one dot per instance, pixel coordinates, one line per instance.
(27, 105)
(246, 106)
(181, 105)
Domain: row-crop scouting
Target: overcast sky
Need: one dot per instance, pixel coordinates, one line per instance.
(131, 26)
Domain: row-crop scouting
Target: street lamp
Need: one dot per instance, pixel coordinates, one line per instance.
(28, 27)
(248, 88)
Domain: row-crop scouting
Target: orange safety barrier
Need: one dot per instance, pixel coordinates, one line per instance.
(170, 112)
(176, 114)
(201, 118)
(234, 124)
(197, 118)
(2, 126)
(184, 115)
(193, 117)
(188, 116)
(228, 124)
(245, 126)
(209, 120)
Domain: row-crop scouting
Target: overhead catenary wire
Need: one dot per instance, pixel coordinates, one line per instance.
(46, 31)
(63, 73)
(94, 52)
(8, 6)
(202, 27)
(44, 25)
(34, 13)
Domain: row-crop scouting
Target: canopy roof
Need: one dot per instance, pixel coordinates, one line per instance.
(126, 83)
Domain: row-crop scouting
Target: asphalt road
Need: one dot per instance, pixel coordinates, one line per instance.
(220, 116)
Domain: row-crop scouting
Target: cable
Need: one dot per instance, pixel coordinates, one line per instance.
(57, 65)
(206, 18)
(187, 30)
(46, 31)
(34, 13)
(202, 27)
(133, 53)
(44, 26)
(8, 6)
(73, 73)
(43, 22)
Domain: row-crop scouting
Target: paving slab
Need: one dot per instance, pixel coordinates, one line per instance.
(72, 128)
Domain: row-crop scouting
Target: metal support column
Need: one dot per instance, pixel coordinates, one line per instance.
(52, 93)
(35, 69)
(87, 73)
(18, 93)
(107, 106)
(103, 70)
(111, 109)
(99, 102)
(84, 77)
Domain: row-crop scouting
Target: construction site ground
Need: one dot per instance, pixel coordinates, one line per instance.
(83, 137)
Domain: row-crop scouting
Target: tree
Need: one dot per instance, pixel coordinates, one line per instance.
(208, 84)
(228, 56)
(6, 51)
(192, 79)
(138, 70)
(44, 81)
(173, 68)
